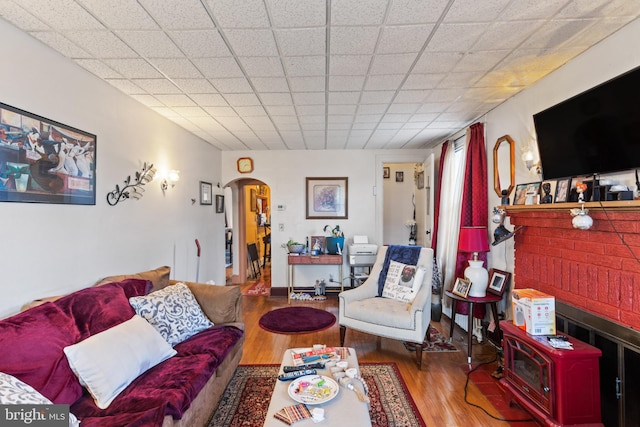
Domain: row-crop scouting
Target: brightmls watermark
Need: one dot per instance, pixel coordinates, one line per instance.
(34, 415)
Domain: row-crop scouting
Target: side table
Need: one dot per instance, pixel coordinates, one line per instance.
(490, 299)
(294, 260)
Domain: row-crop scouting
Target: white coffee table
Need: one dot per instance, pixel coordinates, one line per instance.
(344, 409)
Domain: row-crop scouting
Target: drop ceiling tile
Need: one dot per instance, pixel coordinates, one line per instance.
(151, 44)
(361, 133)
(349, 65)
(344, 97)
(437, 62)
(262, 66)
(415, 11)
(276, 98)
(302, 41)
(392, 64)
(404, 135)
(346, 83)
(453, 80)
(433, 107)
(384, 82)
(456, 37)
(366, 121)
(397, 108)
(259, 126)
(176, 15)
(209, 99)
(338, 125)
(348, 12)
(241, 99)
(195, 85)
(307, 84)
(342, 109)
(178, 68)
(280, 110)
(166, 112)
(308, 98)
(395, 118)
(422, 81)
(411, 96)
(304, 66)
(294, 13)
(221, 111)
(480, 60)
(156, 86)
(340, 118)
(218, 67)
(98, 68)
(240, 13)
(530, 9)
(280, 120)
(252, 42)
(376, 97)
(310, 110)
(190, 112)
(62, 14)
(583, 9)
(133, 68)
(127, 15)
(125, 86)
(270, 84)
(468, 10)
(414, 125)
(233, 124)
(305, 121)
(353, 40)
(372, 108)
(424, 117)
(506, 35)
(175, 100)
(101, 44)
(22, 19)
(555, 34)
(404, 39)
(251, 111)
(445, 95)
(148, 100)
(200, 43)
(60, 43)
(283, 127)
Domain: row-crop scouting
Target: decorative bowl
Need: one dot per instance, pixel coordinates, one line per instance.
(295, 249)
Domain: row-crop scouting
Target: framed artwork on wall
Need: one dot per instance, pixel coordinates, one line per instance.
(386, 172)
(327, 198)
(219, 203)
(253, 200)
(399, 176)
(44, 161)
(205, 193)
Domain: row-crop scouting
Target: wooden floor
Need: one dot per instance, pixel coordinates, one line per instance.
(438, 389)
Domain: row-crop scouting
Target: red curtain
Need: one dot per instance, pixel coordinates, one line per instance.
(436, 213)
(474, 203)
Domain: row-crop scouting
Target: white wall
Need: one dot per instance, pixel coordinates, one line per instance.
(285, 172)
(52, 249)
(611, 57)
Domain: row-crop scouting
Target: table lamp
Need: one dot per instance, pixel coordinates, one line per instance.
(474, 239)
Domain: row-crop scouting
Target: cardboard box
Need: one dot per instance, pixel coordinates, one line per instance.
(534, 311)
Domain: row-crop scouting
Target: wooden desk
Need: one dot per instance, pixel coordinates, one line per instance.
(294, 260)
(490, 299)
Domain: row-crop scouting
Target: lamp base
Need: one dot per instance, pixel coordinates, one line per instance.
(479, 278)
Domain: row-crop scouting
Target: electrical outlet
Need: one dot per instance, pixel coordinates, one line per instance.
(281, 207)
(280, 227)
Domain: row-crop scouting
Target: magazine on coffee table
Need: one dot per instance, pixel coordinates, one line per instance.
(313, 356)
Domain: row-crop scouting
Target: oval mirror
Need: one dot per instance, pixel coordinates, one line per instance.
(504, 166)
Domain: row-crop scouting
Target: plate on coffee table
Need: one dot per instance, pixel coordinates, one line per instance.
(313, 389)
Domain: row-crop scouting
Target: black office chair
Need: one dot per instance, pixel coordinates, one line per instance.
(254, 259)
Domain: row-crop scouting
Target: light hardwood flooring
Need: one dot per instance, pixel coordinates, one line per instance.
(438, 389)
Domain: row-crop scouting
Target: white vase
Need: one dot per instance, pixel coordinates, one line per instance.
(479, 278)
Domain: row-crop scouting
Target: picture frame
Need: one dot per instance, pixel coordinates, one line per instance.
(498, 281)
(327, 198)
(544, 197)
(461, 287)
(527, 194)
(253, 200)
(219, 203)
(399, 176)
(563, 188)
(519, 197)
(206, 189)
(322, 243)
(386, 172)
(45, 161)
(420, 180)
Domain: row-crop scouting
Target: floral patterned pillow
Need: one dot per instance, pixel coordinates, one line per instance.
(15, 392)
(173, 311)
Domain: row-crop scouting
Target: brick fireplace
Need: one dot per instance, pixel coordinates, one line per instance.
(595, 277)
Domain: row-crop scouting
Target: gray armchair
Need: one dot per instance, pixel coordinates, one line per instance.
(363, 310)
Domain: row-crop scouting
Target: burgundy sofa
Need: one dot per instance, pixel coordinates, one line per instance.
(181, 391)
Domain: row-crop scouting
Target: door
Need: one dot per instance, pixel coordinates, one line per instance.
(424, 202)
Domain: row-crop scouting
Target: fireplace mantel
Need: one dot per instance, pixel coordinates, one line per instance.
(617, 205)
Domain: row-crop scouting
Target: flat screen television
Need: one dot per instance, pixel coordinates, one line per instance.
(595, 132)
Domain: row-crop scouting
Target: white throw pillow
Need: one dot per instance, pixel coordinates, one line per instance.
(107, 362)
(403, 281)
(15, 392)
(173, 311)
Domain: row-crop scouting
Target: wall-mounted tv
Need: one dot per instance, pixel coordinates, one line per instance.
(595, 132)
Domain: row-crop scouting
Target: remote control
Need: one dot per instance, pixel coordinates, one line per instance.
(297, 374)
(318, 365)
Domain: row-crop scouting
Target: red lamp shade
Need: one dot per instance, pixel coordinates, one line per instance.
(473, 239)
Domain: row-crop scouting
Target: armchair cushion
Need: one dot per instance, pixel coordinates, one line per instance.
(403, 281)
(403, 254)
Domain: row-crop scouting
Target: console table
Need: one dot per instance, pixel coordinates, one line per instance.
(490, 299)
(298, 260)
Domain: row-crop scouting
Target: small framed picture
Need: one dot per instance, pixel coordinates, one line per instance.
(399, 176)
(420, 180)
(386, 172)
(461, 287)
(205, 193)
(219, 203)
(317, 245)
(547, 191)
(520, 195)
(498, 281)
(563, 187)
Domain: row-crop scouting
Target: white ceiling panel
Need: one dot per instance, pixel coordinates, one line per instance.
(312, 74)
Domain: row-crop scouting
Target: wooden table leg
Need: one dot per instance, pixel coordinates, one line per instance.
(453, 319)
(469, 332)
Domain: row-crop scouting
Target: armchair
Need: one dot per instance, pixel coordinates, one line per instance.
(362, 309)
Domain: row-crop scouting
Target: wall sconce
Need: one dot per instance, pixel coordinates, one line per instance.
(528, 159)
(173, 176)
(132, 189)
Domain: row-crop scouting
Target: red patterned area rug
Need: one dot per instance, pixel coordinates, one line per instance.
(261, 288)
(245, 401)
(436, 342)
